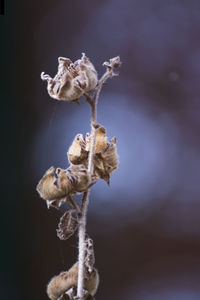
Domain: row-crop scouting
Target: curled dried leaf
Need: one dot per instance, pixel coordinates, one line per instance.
(67, 225)
(72, 79)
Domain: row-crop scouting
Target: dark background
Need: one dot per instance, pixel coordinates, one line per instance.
(146, 225)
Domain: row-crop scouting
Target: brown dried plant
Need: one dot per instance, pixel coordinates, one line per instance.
(90, 158)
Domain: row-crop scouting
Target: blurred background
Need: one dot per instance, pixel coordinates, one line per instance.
(146, 225)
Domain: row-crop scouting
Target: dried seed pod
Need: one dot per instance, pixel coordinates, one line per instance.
(61, 283)
(67, 225)
(72, 79)
(77, 153)
(57, 185)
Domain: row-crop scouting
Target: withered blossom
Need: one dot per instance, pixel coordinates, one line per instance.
(61, 283)
(57, 185)
(105, 153)
(72, 79)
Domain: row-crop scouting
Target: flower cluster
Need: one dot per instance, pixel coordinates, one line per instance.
(58, 185)
(105, 153)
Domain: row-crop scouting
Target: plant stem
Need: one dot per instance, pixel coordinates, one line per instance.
(82, 220)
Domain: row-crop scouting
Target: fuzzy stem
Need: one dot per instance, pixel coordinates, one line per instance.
(82, 220)
(85, 201)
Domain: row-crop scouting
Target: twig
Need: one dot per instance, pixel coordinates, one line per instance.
(82, 221)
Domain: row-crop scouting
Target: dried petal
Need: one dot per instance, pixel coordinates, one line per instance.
(81, 174)
(77, 153)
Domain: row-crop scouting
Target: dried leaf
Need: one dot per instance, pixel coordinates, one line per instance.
(67, 225)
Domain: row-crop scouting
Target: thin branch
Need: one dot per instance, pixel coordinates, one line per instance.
(82, 220)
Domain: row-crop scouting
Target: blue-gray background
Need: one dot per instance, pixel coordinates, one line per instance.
(146, 225)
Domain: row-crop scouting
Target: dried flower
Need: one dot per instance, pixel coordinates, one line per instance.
(61, 283)
(72, 79)
(113, 63)
(105, 153)
(57, 185)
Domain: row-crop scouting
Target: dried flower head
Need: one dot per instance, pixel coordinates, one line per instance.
(113, 63)
(61, 283)
(105, 153)
(72, 79)
(57, 185)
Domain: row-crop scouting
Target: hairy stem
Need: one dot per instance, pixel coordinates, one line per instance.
(82, 220)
